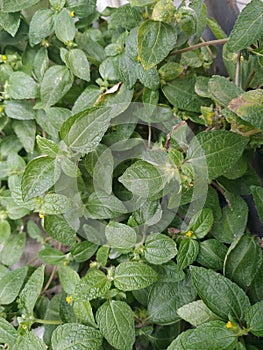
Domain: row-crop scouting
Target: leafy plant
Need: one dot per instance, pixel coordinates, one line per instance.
(126, 165)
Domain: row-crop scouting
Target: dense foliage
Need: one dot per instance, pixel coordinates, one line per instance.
(126, 162)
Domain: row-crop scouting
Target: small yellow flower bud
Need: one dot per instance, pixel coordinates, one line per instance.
(69, 299)
(41, 215)
(1, 109)
(72, 14)
(229, 324)
(189, 233)
(65, 263)
(4, 57)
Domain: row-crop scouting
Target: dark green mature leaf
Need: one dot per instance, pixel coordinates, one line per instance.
(211, 335)
(181, 93)
(134, 275)
(254, 319)
(64, 26)
(120, 236)
(155, 41)
(22, 86)
(159, 249)
(93, 285)
(56, 83)
(248, 27)
(187, 252)
(116, 322)
(201, 223)
(196, 313)
(8, 334)
(82, 8)
(10, 285)
(223, 90)
(248, 106)
(40, 174)
(17, 5)
(104, 206)
(216, 151)
(41, 26)
(51, 256)
(31, 291)
(10, 22)
(58, 228)
(212, 254)
(243, 260)
(84, 131)
(71, 336)
(68, 278)
(127, 70)
(257, 193)
(166, 298)
(222, 296)
(29, 341)
(78, 63)
(83, 251)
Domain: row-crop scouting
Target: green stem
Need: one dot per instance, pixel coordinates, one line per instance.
(38, 320)
(198, 46)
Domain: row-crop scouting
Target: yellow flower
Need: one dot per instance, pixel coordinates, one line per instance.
(72, 14)
(65, 263)
(229, 324)
(69, 299)
(4, 57)
(189, 233)
(41, 215)
(1, 109)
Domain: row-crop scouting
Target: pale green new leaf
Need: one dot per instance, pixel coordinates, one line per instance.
(73, 336)
(17, 5)
(64, 26)
(58, 228)
(155, 41)
(10, 285)
(41, 26)
(25, 131)
(13, 249)
(21, 110)
(22, 86)
(47, 147)
(68, 278)
(134, 275)
(120, 236)
(8, 333)
(116, 323)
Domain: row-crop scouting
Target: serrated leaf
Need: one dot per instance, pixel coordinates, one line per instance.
(120, 236)
(8, 334)
(242, 260)
(159, 249)
(17, 5)
(153, 34)
(41, 26)
(73, 336)
(10, 285)
(134, 275)
(68, 278)
(40, 174)
(93, 285)
(84, 131)
(116, 322)
(56, 83)
(216, 151)
(58, 228)
(201, 223)
(22, 86)
(29, 341)
(31, 291)
(78, 63)
(211, 335)
(222, 296)
(64, 26)
(187, 252)
(248, 27)
(196, 313)
(254, 319)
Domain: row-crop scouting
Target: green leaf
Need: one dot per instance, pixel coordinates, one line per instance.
(93, 285)
(47, 147)
(10, 22)
(8, 333)
(212, 254)
(51, 256)
(25, 131)
(83, 251)
(257, 193)
(22, 86)
(82, 8)
(68, 278)
(5, 231)
(211, 335)
(56, 83)
(40, 64)
(143, 179)
(31, 291)
(104, 206)
(248, 27)
(17, 5)
(120, 235)
(254, 319)
(141, 3)
(201, 223)
(78, 63)
(242, 260)
(148, 78)
(40, 174)
(134, 275)
(10, 285)
(72, 336)
(248, 106)
(34, 231)
(41, 26)
(58, 228)
(127, 70)
(159, 249)
(223, 90)
(29, 341)
(221, 296)
(165, 299)
(84, 131)
(13, 249)
(187, 252)
(53, 204)
(64, 26)
(153, 35)
(116, 323)
(84, 314)
(125, 16)
(86, 99)
(181, 94)
(170, 70)
(196, 313)
(21, 110)
(215, 151)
